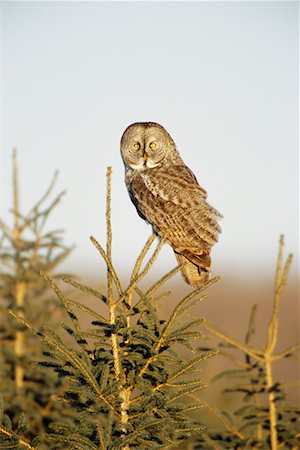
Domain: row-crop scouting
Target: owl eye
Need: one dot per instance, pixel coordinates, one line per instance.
(137, 145)
(152, 145)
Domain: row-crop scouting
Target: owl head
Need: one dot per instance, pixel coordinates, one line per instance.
(145, 145)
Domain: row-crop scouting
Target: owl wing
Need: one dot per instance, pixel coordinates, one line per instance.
(173, 183)
(171, 199)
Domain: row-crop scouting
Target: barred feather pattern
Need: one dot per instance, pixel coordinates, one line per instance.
(167, 195)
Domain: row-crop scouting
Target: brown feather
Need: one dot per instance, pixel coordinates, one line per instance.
(191, 273)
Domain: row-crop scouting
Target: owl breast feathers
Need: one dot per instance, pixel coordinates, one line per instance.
(166, 193)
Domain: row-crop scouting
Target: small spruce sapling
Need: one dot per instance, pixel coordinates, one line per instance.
(126, 380)
(266, 419)
(26, 249)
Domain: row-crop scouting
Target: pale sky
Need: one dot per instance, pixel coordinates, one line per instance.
(221, 77)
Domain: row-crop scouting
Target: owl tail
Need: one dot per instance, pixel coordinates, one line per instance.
(194, 273)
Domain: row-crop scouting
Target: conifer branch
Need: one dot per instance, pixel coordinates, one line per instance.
(15, 193)
(84, 308)
(231, 340)
(287, 352)
(136, 269)
(108, 263)
(162, 280)
(20, 440)
(20, 288)
(33, 212)
(250, 330)
(257, 376)
(109, 235)
(280, 282)
(67, 356)
(143, 273)
(210, 441)
(124, 393)
(80, 442)
(184, 392)
(180, 307)
(167, 327)
(271, 404)
(232, 429)
(20, 336)
(187, 366)
(141, 256)
(101, 437)
(77, 363)
(65, 303)
(83, 287)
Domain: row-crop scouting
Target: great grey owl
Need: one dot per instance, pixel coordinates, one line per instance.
(166, 194)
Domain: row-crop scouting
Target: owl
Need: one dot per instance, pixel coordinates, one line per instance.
(166, 194)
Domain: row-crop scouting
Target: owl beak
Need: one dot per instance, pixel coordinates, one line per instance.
(145, 156)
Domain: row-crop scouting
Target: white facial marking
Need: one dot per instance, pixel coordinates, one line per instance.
(138, 166)
(150, 164)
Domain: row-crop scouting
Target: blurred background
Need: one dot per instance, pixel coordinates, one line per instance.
(221, 77)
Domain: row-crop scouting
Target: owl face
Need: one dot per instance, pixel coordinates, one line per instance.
(145, 145)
